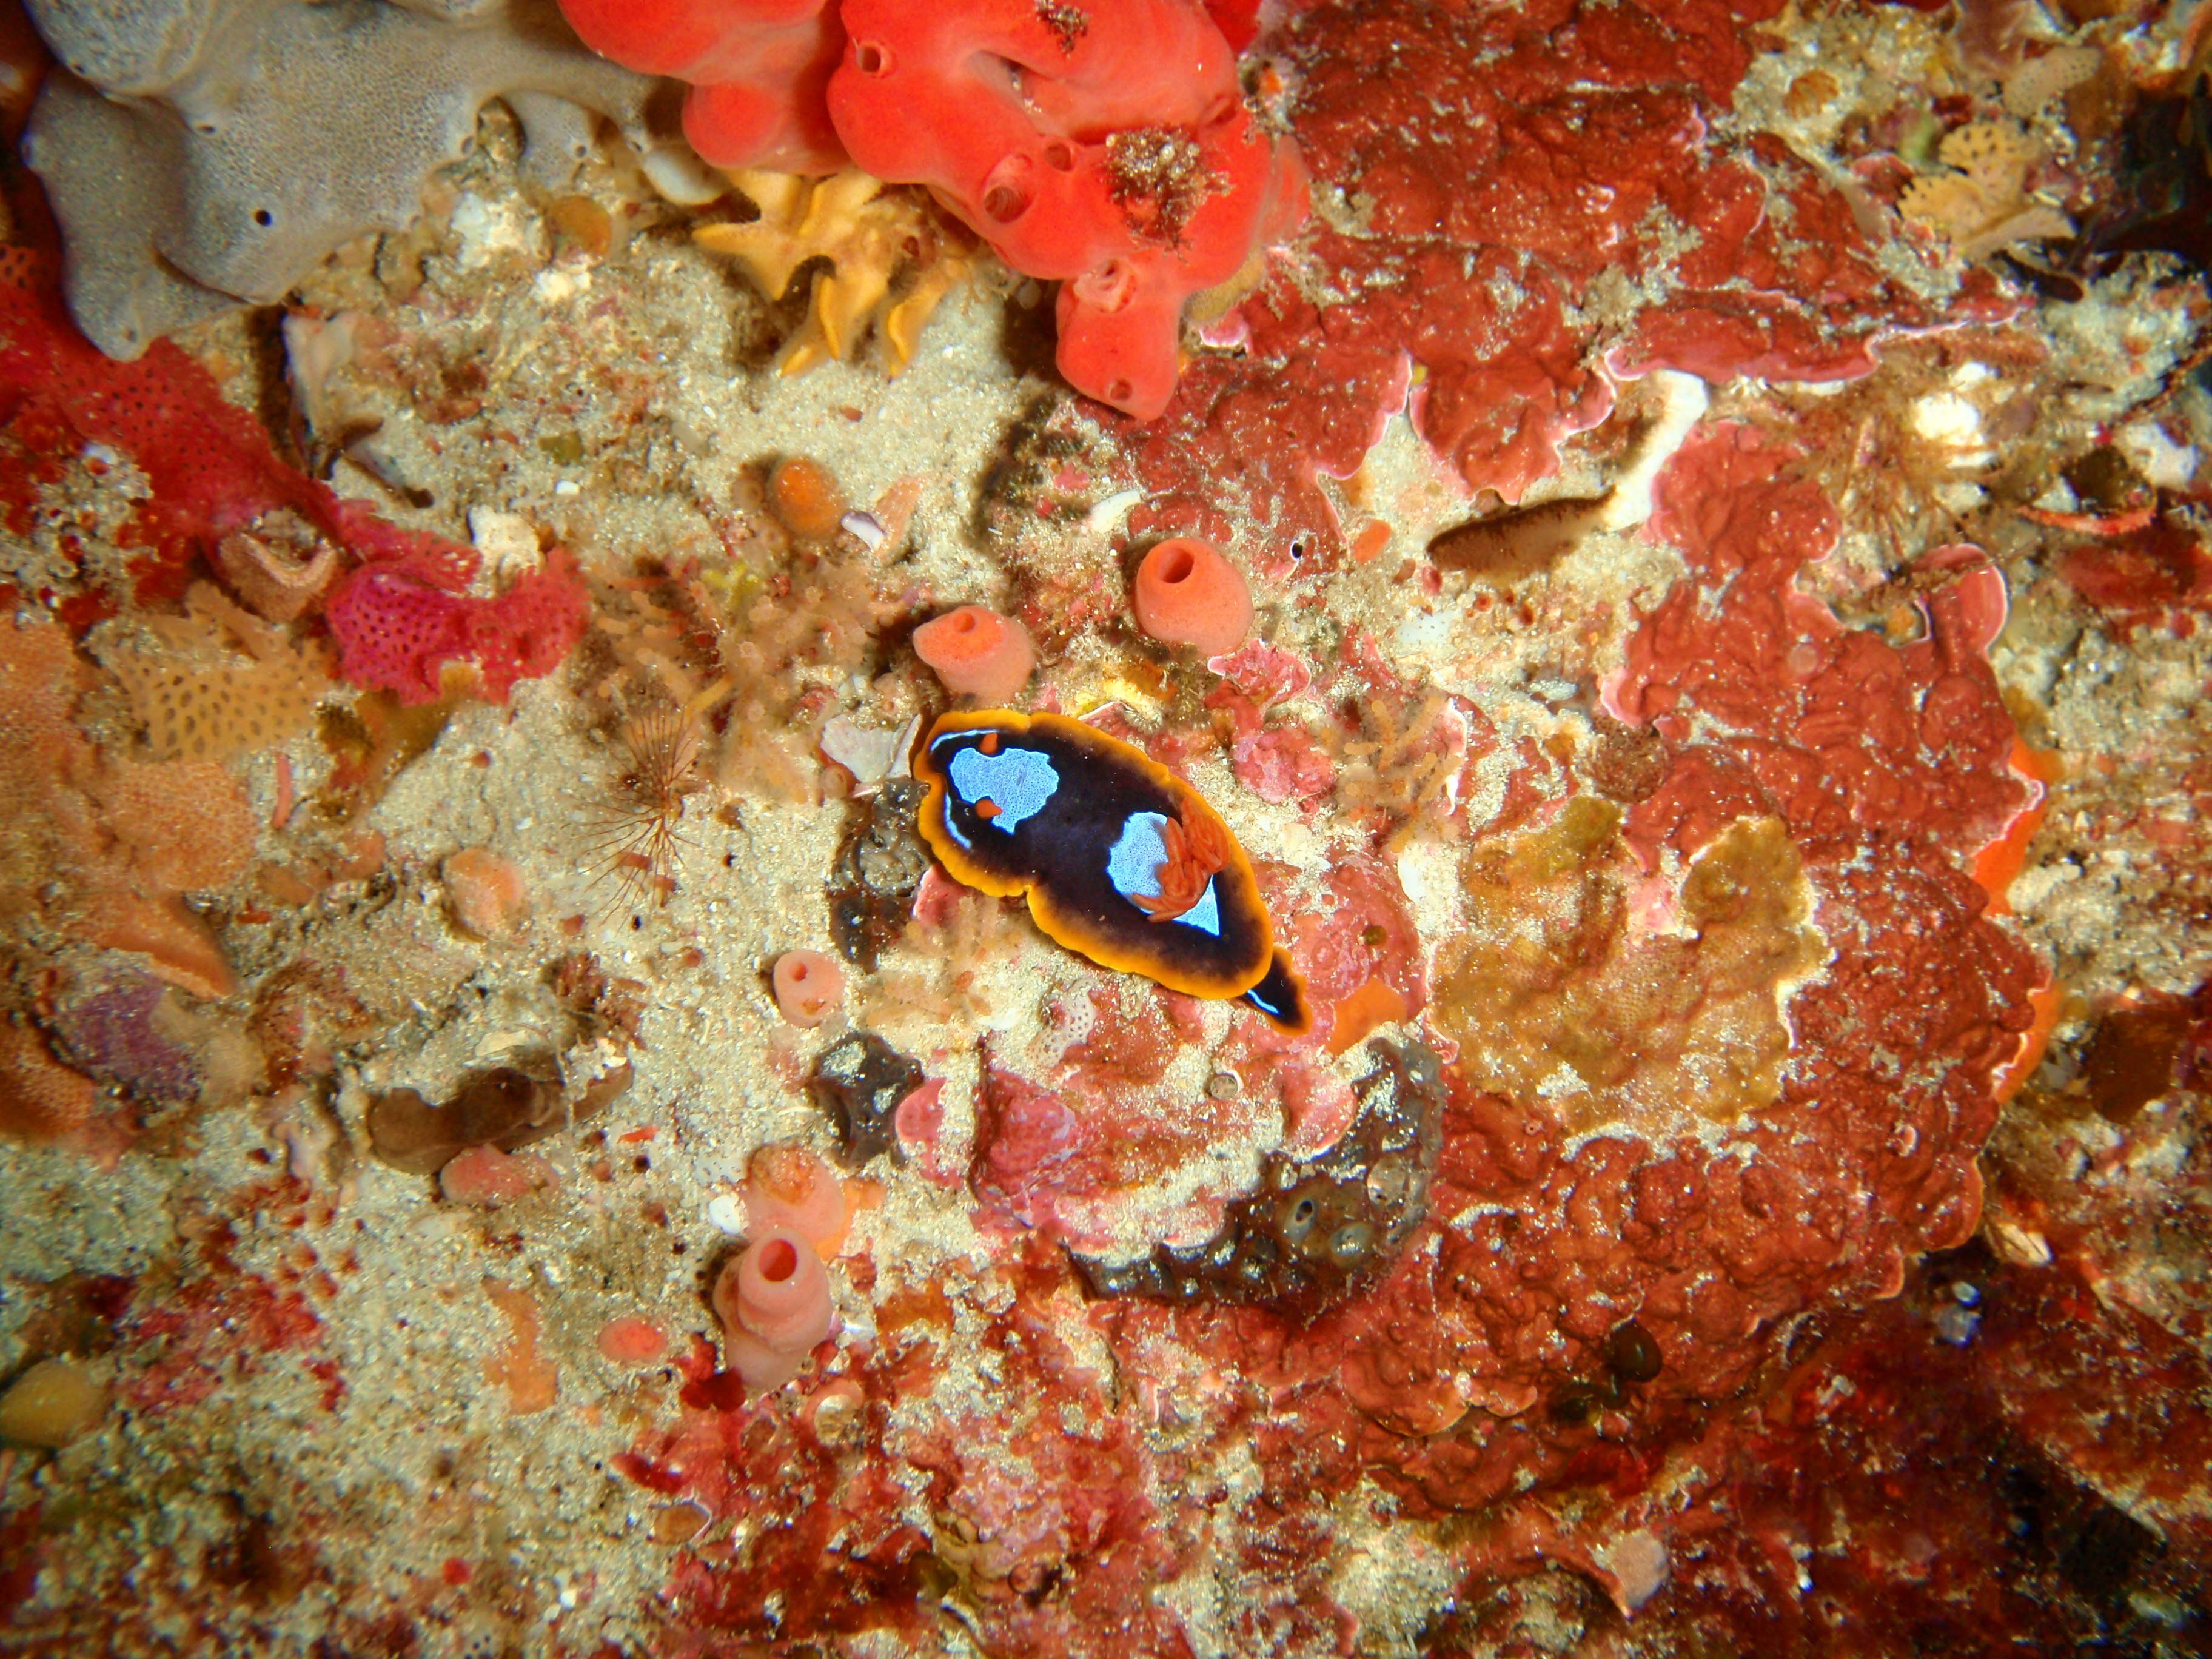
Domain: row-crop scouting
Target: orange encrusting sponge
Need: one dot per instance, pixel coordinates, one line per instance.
(1188, 594)
(977, 653)
(804, 496)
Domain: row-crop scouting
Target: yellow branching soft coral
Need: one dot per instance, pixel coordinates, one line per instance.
(868, 236)
(1983, 205)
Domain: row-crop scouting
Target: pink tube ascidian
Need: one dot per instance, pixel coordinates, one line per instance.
(774, 1303)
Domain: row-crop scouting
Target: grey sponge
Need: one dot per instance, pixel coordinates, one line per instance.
(203, 154)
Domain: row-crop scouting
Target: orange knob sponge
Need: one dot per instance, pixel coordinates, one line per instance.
(1188, 594)
(805, 498)
(977, 652)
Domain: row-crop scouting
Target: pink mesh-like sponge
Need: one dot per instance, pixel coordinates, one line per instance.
(774, 1303)
(1111, 150)
(397, 629)
(758, 71)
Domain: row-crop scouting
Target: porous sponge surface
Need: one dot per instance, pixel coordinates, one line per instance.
(203, 152)
(396, 632)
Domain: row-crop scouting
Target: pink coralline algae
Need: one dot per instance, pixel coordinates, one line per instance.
(1574, 1299)
(1998, 1484)
(1279, 762)
(1472, 1371)
(1071, 1129)
(1061, 1560)
(833, 1501)
(209, 465)
(1840, 734)
(399, 617)
(2156, 575)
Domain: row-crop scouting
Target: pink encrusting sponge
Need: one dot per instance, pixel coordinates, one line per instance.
(774, 1303)
(977, 653)
(808, 985)
(1188, 594)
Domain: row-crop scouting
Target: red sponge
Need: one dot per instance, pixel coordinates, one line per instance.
(1114, 154)
(1108, 147)
(758, 70)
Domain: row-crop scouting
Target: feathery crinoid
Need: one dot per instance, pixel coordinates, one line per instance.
(640, 820)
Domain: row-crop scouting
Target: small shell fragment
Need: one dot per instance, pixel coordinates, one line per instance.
(865, 526)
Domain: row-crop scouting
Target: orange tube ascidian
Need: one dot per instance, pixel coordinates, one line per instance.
(977, 653)
(807, 986)
(788, 1186)
(774, 1303)
(1188, 594)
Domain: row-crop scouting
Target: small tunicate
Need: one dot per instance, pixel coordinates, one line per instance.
(1632, 1354)
(1389, 1181)
(1350, 1244)
(1956, 1325)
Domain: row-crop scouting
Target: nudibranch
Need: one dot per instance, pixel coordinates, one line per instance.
(1121, 861)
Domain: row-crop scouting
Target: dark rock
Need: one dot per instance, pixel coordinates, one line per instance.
(860, 1082)
(1315, 1230)
(873, 880)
